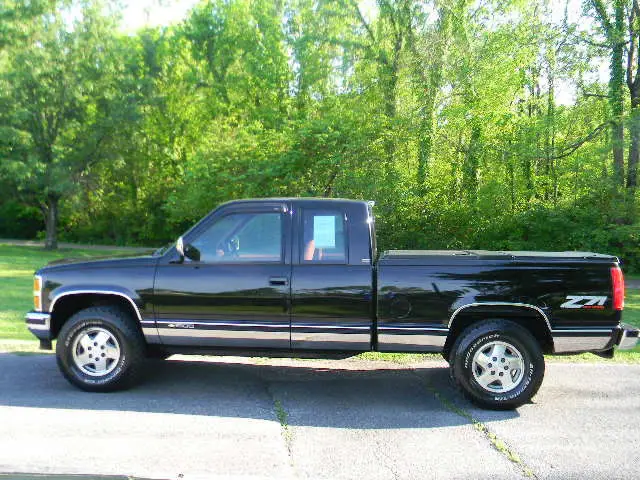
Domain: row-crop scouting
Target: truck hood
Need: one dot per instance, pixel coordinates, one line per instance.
(114, 261)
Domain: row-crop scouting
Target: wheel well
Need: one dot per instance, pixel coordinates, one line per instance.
(533, 321)
(69, 305)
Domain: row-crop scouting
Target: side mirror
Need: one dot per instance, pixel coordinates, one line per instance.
(180, 246)
(188, 251)
(192, 253)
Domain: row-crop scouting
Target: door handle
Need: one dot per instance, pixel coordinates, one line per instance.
(278, 281)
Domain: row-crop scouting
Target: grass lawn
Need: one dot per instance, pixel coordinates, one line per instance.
(18, 263)
(631, 313)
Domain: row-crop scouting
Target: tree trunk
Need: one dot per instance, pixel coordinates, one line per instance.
(617, 135)
(507, 159)
(614, 29)
(633, 84)
(424, 154)
(616, 89)
(471, 164)
(50, 212)
(551, 130)
(634, 148)
(390, 72)
(434, 84)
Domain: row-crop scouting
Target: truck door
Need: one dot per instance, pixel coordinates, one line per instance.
(331, 283)
(237, 294)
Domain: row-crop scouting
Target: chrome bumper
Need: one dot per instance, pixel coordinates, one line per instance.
(576, 340)
(39, 323)
(628, 338)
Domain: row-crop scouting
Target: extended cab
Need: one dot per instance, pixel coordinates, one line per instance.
(293, 276)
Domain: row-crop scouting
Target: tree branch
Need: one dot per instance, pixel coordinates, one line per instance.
(597, 95)
(576, 145)
(386, 6)
(595, 44)
(366, 26)
(601, 11)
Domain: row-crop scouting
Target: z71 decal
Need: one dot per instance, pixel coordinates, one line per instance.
(584, 301)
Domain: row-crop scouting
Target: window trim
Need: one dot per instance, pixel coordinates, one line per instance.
(345, 228)
(242, 211)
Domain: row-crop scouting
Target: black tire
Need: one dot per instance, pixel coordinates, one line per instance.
(470, 350)
(123, 338)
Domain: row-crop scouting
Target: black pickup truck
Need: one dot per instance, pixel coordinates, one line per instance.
(300, 277)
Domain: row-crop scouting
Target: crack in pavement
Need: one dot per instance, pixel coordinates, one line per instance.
(387, 460)
(286, 431)
(496, 442)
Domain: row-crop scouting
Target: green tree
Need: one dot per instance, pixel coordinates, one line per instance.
(612, 22)
(57, 90)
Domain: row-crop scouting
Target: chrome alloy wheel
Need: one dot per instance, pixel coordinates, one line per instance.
(96, 351)
(498, 367)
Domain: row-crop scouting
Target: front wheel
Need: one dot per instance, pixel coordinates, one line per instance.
(99, 349)
(497, 364)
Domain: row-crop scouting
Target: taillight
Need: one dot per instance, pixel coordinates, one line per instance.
(618, 287)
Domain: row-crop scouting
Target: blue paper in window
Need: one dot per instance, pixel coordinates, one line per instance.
(324, 231)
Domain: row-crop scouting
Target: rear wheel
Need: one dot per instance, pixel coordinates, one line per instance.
(100, 349)
(497, 364)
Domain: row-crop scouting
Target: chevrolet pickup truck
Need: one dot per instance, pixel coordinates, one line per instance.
(301, 276)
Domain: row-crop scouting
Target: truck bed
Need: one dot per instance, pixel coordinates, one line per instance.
(420, 293)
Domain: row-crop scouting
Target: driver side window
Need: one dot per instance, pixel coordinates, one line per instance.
(242, 237)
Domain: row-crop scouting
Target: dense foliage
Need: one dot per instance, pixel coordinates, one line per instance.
(445, 112)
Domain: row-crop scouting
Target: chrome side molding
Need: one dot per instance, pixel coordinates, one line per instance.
(411, 338)
(502, 304)
(103, 292)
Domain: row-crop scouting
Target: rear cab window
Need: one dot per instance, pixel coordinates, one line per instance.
(324, 237)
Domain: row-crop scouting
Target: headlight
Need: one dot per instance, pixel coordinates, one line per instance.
(37, 293)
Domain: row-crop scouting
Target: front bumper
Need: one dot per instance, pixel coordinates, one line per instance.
(628, 337)
(39, 323)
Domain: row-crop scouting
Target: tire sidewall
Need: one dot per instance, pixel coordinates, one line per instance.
(532, 359)
(64, 351)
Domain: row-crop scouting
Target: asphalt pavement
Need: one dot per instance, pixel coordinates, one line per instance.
(208, 418)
